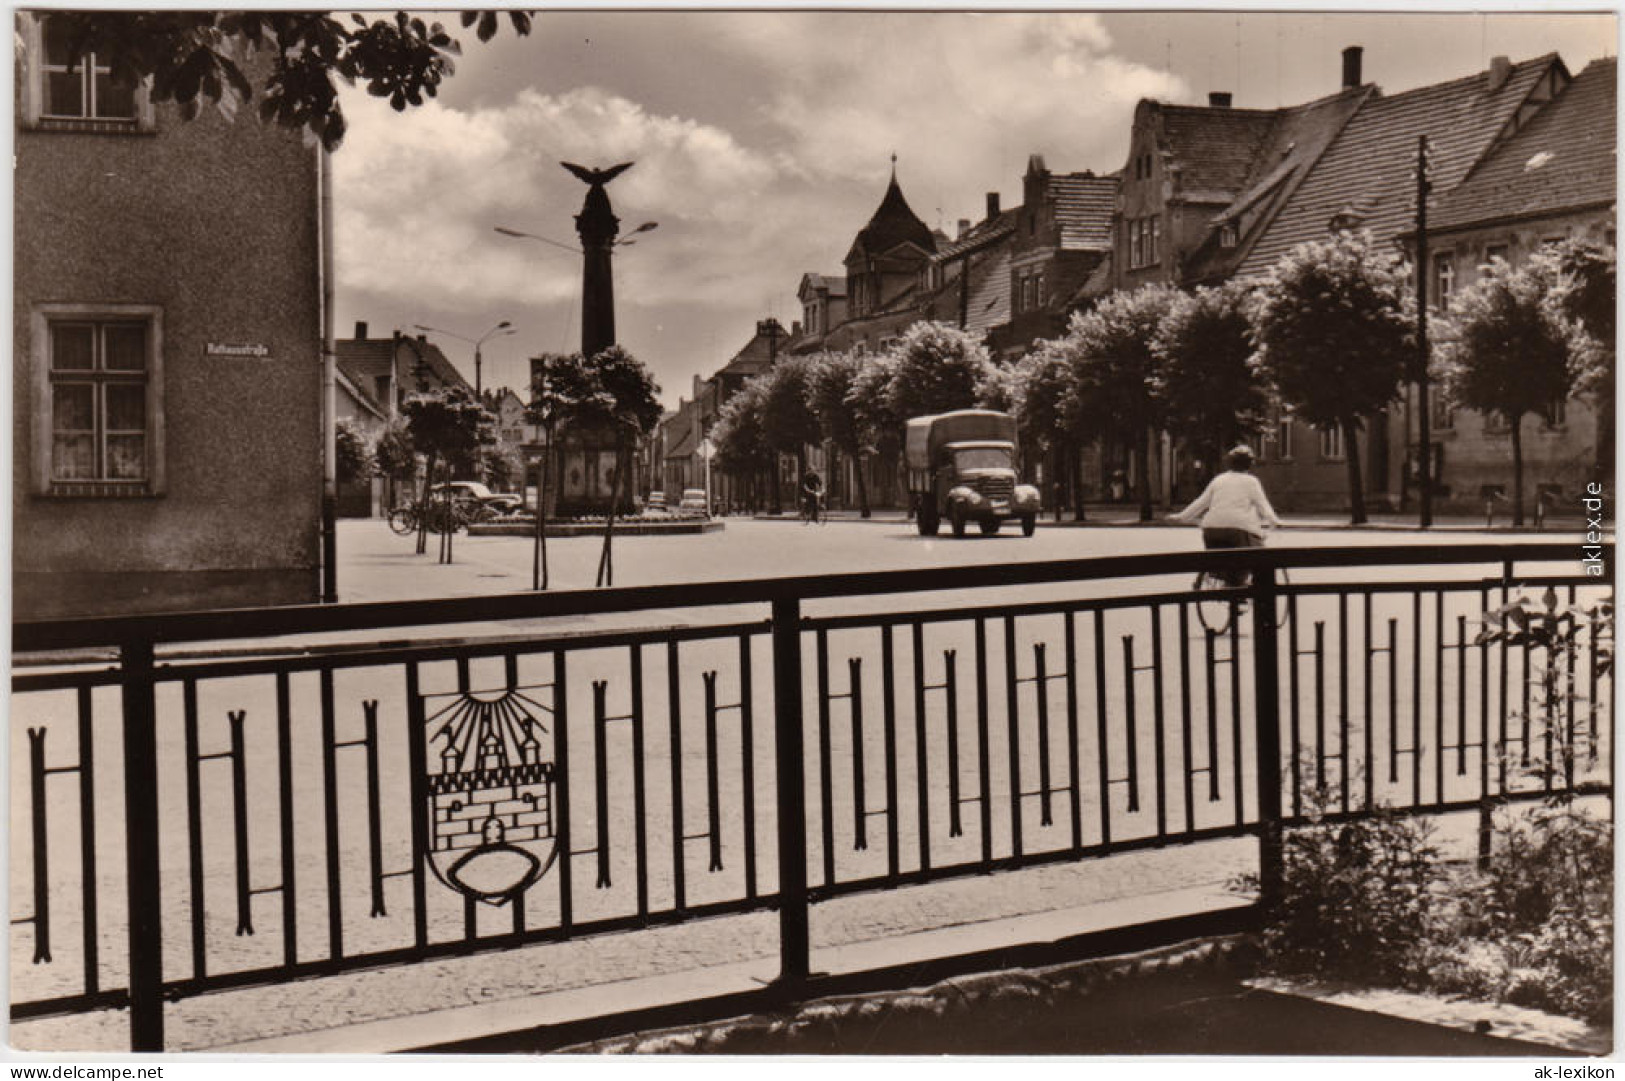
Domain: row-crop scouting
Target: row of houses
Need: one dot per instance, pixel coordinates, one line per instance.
(1520, 155)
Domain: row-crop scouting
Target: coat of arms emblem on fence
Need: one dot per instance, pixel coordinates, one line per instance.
(490, 793)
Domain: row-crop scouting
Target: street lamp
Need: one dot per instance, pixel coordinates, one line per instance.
(502, 329)
(505, 231)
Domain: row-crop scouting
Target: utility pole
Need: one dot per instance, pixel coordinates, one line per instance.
(1423, 419)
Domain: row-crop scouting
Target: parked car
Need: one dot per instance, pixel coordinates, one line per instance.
(693, 501)
(477, 500)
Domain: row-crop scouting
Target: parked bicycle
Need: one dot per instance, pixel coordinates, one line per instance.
(438, 516)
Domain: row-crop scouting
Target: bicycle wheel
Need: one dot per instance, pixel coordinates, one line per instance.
(403, 521)
(1217, 608)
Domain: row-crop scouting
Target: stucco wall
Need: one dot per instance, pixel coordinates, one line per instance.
(215, 224)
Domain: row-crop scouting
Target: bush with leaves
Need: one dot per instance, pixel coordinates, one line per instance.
(352, 457)
(1358, 897)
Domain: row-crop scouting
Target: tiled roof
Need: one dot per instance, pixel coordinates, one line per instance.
(365, 358)
(1295, 142)
(1561, 159)
(988, 303)
(1369, 166)
(1083, 210)
(980, 235)
(833, 284)
(1214, 149)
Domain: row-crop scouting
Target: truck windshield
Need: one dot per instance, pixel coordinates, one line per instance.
(982, 458)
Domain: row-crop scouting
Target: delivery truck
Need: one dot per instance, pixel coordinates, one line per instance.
(962, 468)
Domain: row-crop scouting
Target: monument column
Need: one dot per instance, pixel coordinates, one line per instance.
(597, 226)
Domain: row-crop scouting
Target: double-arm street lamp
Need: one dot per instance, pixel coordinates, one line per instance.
(503, 328)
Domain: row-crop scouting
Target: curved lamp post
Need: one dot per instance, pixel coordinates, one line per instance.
(503, 329)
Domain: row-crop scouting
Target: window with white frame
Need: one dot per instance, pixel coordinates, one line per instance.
(77, 93)
(98, 390)
(1331, 443)
(1283, 434)
(1556, 413)
(1145, 235)
(1444, 279)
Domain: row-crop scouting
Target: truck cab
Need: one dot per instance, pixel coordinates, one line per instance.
(962, 468)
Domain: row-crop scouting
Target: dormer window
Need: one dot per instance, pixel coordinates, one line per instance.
(1229, 235)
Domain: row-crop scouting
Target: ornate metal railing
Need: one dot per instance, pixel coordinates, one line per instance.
(296, 808)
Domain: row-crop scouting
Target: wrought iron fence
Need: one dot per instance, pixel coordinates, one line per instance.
(290, 812)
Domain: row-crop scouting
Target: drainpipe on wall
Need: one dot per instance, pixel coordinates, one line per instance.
(330, 582)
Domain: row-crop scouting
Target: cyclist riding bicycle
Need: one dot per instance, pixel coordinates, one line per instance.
(812, 494)
(1233, 510)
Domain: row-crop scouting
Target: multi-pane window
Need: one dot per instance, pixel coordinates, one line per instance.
(1331, 443)
(99, 382)
(1145, 235)
(1444, 279)
(1556, 413)
(82, 87)
(1491, 254)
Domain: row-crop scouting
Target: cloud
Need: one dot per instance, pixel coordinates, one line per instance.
(771, 172)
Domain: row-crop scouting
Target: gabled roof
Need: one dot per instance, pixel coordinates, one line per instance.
(833, 285)
(1213, 149)
(983, 234)
(1369, 166)
(1562, 159)
(365, 358)
(359, 394)
(1083, 210)
(893, 225)
(1295, 143)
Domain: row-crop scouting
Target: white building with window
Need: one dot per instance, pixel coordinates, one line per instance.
(167, 443)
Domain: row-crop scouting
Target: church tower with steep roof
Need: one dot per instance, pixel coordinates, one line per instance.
(885, 261)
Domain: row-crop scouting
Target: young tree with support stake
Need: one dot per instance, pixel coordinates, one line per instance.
(560, 381)
(623, 398)
(1335, 334)
(450, 427)
(1510, 357)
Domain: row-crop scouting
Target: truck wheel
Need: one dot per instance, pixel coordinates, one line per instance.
(956, 516)
(926, 521)
(1029, 523)
(990, 526)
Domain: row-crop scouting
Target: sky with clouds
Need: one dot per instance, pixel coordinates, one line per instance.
(763, 142)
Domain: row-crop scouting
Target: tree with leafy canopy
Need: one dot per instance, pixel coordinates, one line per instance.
(787, 415)
(877, 411)
(938, 368)
(743, 449)
(1335, 329)
(622, 398)
(1040, 385)
(1509, 356)
(447, 426)
(833, 377)
(1115, 373)
(1212, 393)
(195, 57)
(1582, 296)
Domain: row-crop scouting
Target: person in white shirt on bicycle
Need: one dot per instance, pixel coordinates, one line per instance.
(1233, 509)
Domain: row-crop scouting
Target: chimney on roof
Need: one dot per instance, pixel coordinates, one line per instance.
(992, 204)
(1500, 72)
(424, 338)
(1218, 99)
(964, 227)
(1351, 66)
(361, 331)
